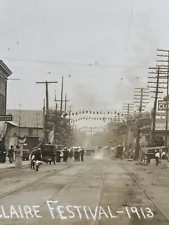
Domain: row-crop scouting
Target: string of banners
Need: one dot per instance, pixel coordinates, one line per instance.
(89, 131)
(91, 128)
(93, 118)
(96, 112)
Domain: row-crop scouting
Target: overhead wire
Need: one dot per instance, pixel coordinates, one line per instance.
(69, 63)
(130, 24)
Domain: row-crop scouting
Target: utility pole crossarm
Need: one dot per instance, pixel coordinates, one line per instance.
(47, 97)
(44, 82)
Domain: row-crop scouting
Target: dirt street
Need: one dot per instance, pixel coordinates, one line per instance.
(95, 192)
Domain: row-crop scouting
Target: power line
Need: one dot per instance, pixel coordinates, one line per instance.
(68, 63)
(130, 25)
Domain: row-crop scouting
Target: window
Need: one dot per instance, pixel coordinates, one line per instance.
(30, 132)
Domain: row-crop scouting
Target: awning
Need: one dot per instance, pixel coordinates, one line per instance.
(12, 123)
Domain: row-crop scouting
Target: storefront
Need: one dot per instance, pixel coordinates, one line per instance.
(4, 74)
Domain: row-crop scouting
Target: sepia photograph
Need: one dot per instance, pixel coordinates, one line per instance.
(84, 112)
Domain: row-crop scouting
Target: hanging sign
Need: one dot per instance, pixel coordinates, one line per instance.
(162, 105)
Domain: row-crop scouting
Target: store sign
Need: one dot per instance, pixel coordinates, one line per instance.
(161, 126)
(5, 117)
(162, 105)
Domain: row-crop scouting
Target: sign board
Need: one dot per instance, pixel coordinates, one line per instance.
(162, 105)
(5, 117)
(161, 126)
(22, 140)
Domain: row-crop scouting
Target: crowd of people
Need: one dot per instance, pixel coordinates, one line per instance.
(77, 154)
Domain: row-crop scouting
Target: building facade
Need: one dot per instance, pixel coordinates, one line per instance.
(5, 72)
(29, 122)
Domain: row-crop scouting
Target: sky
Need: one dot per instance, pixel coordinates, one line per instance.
(106, 47)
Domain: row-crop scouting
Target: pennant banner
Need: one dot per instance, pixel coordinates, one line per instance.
(96, 118)
(102, 112)
(90, 128)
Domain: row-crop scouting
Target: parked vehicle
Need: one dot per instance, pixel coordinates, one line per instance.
(148, 153)
(48, 153)
(116, 152)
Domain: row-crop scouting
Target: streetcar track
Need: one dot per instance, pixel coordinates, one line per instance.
(33, 182)
(145, 192)
(12, 171)
(95, 222)
(63, 189)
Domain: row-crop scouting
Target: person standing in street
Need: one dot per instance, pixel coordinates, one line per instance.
(65, 155)
(38, 158)
(11, 154)
(32, 159)
(81, 154)
(157, 157)
(58, 157)
(76, 155)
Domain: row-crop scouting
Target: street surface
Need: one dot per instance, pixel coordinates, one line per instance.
(96, 191)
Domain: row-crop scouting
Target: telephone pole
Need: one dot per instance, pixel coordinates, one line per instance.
(61, 102)
(47, 105)
(165, 70)
(157, 91)
(47, 92)
(140, 96)
(65, 102)
(44, 122)
(128, 108)
(20, 117)
(55, 100)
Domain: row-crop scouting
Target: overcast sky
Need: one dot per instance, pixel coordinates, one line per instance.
(63, 37)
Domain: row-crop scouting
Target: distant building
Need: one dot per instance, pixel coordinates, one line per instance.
(30, 122)
(4, 74)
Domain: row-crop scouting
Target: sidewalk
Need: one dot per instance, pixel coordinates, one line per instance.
(7, 165)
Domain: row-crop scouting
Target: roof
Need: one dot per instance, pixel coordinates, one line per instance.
(28, 118)
(166, 98)
(7, 71)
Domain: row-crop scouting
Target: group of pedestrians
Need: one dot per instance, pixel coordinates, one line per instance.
(36, 156)
(78, 155)
(62, 154)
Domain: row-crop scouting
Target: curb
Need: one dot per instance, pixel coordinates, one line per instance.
(11, 167)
